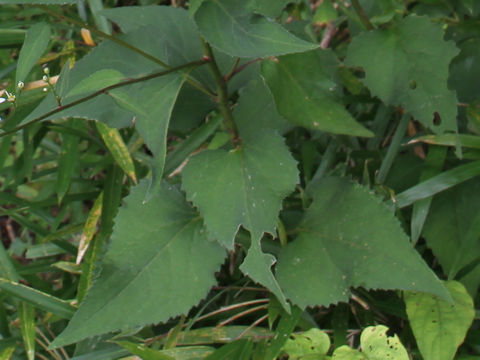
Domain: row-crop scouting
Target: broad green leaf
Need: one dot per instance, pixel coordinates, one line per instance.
(347, 353)
(159, 248)
(114, 142)
(409, 70)
(155, 98)
(37, 298)
(464, 68)
(244, 186)
(36, 42)
(378, 345)
(348, 238)
(440, 327)
(313, 341)
(307, 92)
(452, 229)
(255, 98)
(438, 183)
(98, 80)
(231, 27)
(96, 7)
(221, 335)
(268, 7)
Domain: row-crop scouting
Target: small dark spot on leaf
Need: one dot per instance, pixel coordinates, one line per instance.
(390, 333)
(412, 84)
(312, 347)
(436, 119)
(292, 337)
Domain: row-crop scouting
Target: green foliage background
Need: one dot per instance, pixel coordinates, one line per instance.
(223, 179)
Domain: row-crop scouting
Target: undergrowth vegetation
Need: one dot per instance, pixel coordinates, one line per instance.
(225, 179)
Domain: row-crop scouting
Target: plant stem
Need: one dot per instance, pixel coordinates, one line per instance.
(362, 15)
(102, 91)
(393, 149)
(222, 94)
(195, 83)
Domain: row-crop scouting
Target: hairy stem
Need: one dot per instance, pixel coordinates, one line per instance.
(222, 94)
(103, 91)
(362, 15)
(195, 83)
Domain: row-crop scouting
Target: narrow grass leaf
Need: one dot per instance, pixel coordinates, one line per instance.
(38, 299)
(36, 42)
(114, 142)
(90, 227)
(144, 352)
(67, 161)
(26, 315)
(468, 141)
(438, 183)
(433, 166)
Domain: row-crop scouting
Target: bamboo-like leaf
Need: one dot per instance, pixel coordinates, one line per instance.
(26, 315)
(39, 299)
(36, 42)
(90, 227)
(114, 142)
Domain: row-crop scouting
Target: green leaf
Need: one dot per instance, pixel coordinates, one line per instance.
(26, 315)
(464, 68)
(378, 345)
(452, 228)
(36, 42)
(307, 92)
(114, 142)
(409, 70)
(238, 350)
(255, 98)
(348, 238)
(468, 141)
(313, 341)
(231, 27)
(98, 80)
(67, 160)
(440, 327)
(37, 298)
(157, 249)
(144, 352)
(346, 353)
(244, 186)
(438, 183)
(285, 327)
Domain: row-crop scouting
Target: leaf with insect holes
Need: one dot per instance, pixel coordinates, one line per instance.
(307, 92)
(348, 238)
(157, 246)
(409, 68)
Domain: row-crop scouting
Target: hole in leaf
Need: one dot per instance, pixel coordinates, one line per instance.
(436, 119)
(390, 333)
(412, 84)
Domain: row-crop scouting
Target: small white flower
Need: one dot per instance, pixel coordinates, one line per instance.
(45, 78)
(10, 97)
(2, 100)
(45, 89)
(46, 70)
(20, 84)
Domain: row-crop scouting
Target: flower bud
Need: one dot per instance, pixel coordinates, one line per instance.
(20, 84)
